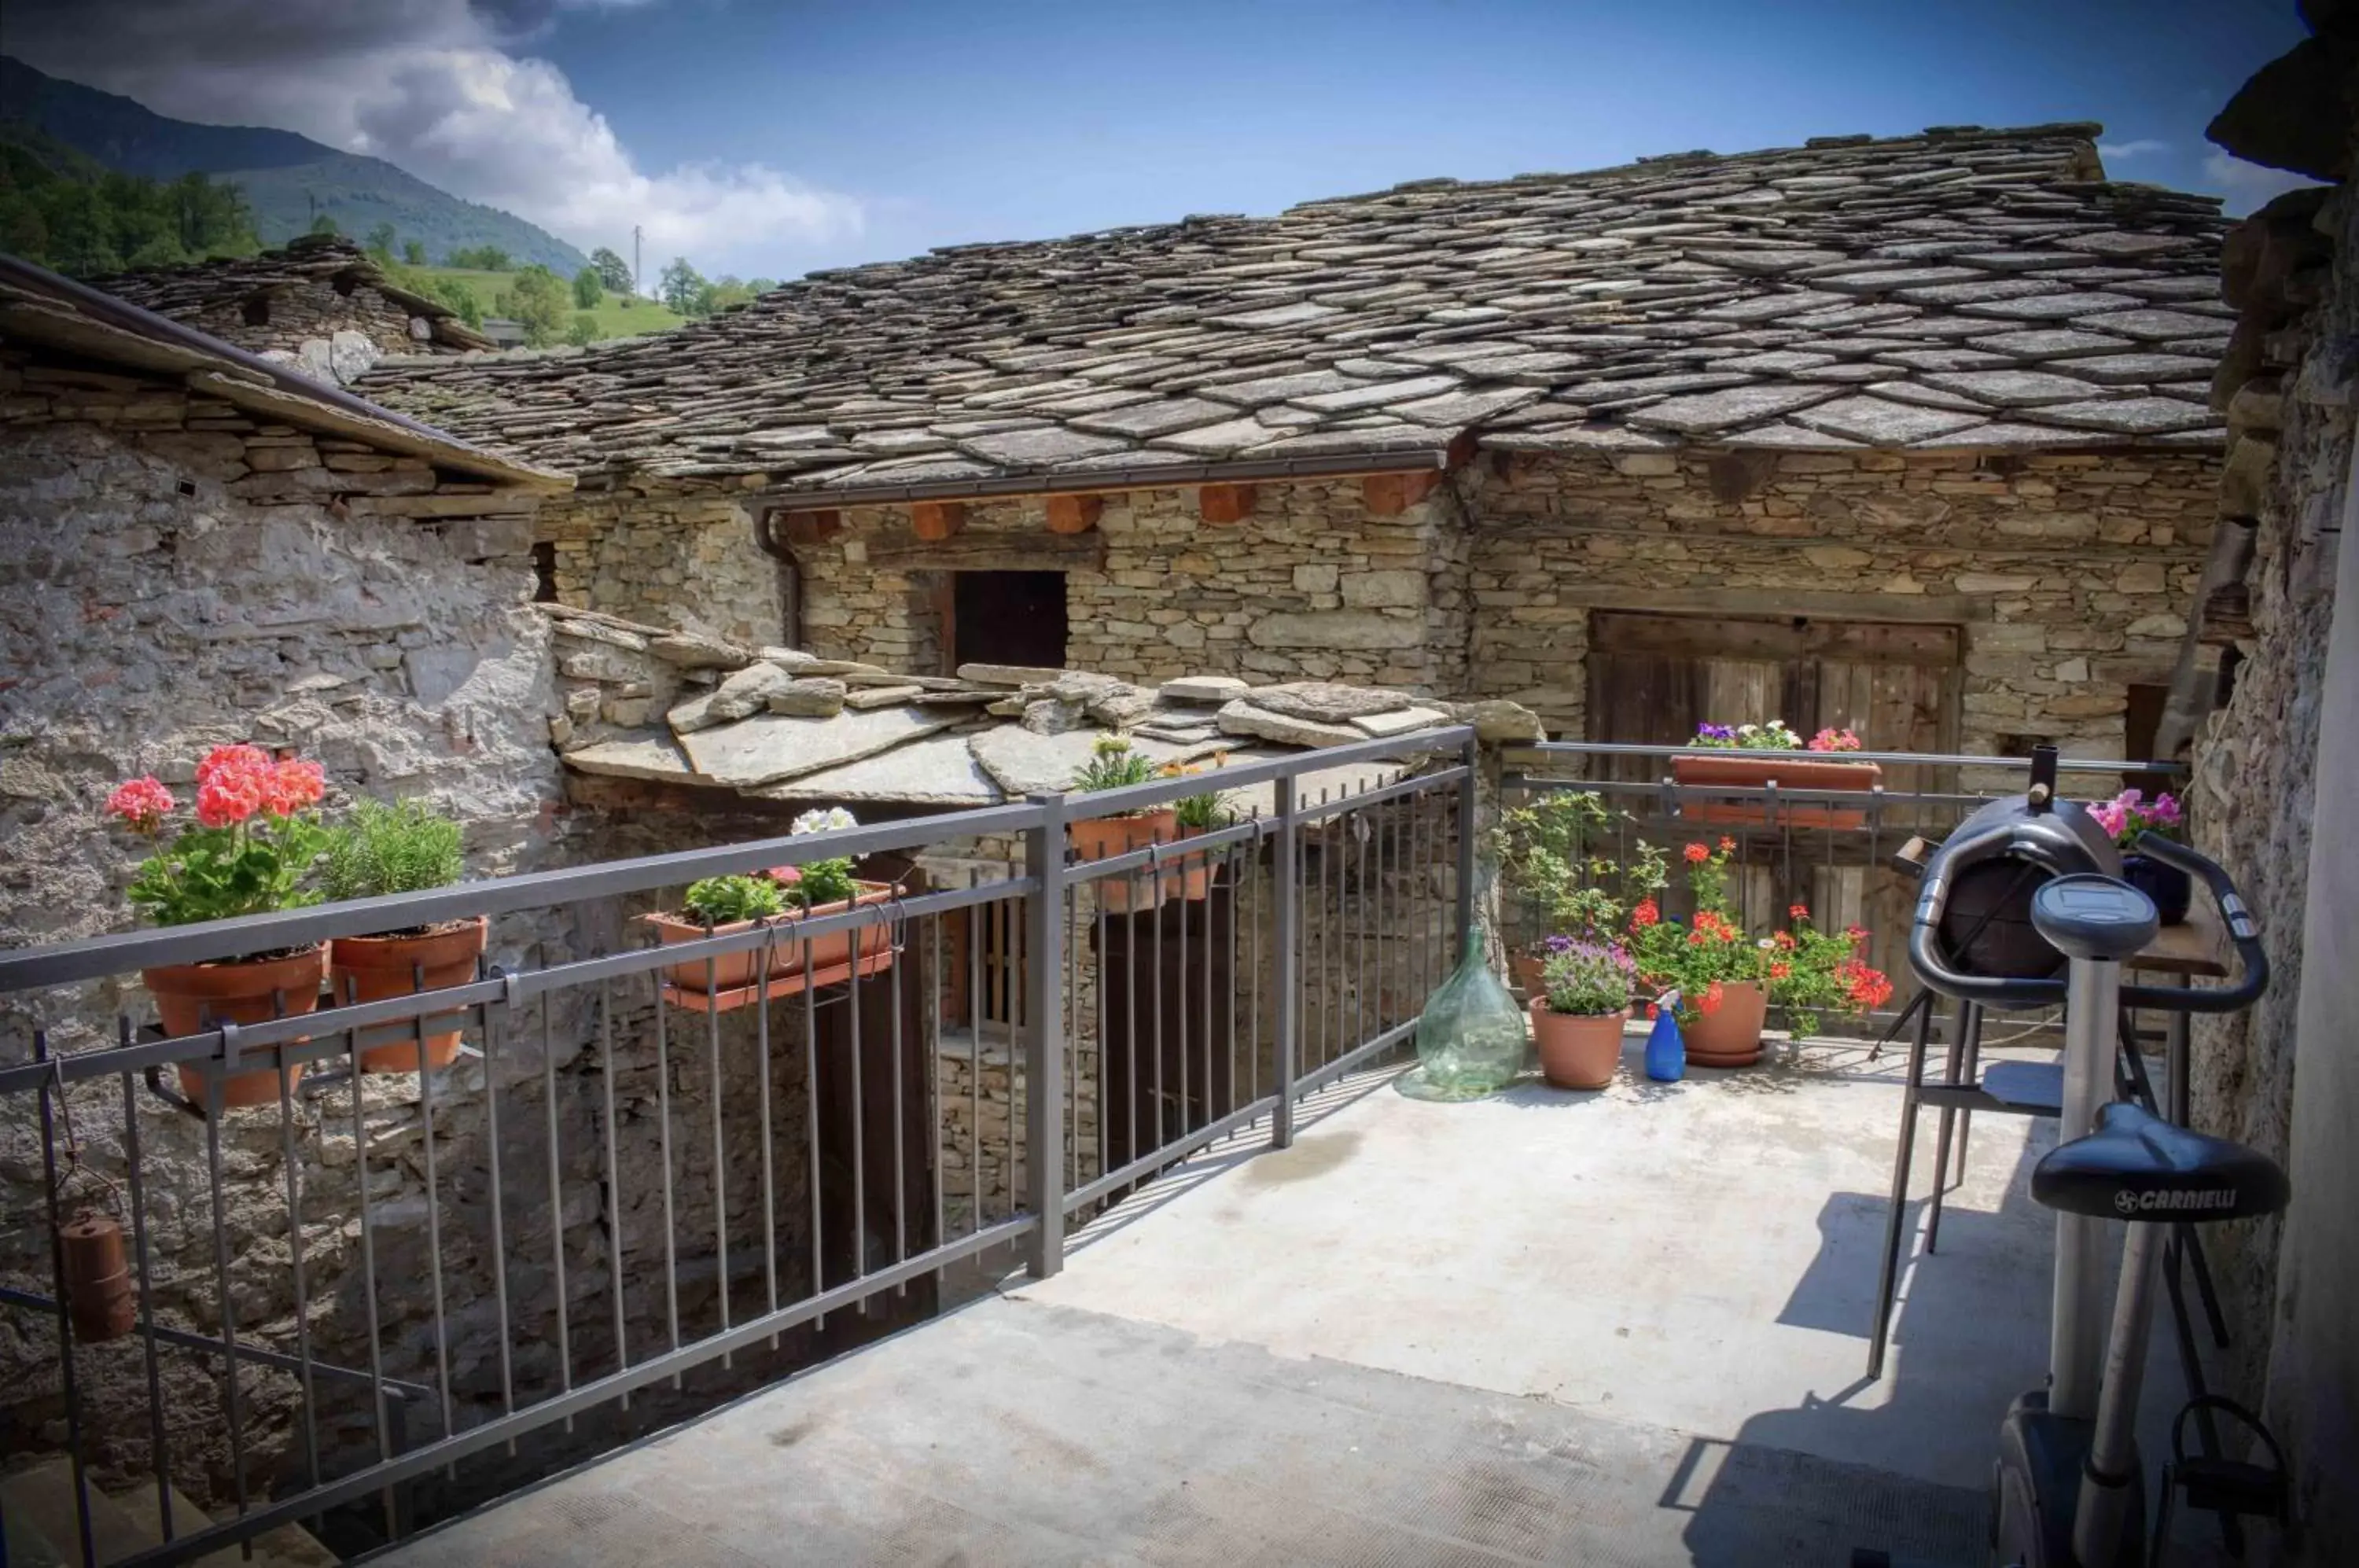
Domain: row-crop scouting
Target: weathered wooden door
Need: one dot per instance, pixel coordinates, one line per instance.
(1652, 679)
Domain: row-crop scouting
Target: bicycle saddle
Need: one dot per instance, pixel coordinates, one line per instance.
(2137, 1166)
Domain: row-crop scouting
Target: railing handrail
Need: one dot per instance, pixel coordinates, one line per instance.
(119, 952)
(1900, 758)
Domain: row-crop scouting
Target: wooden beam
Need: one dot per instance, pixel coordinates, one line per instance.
(937, 520)
(1221, 505)
(1074, 514)
(811, 528)
(900, 550)
(1390, 495)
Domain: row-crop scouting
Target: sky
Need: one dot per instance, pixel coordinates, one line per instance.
(769, 138)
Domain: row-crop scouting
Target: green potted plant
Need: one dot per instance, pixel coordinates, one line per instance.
(1719, 971)
(1193, 815)
(405, 847)
(1584, 996)
(250, 850)
(1719, 760)
(720, 905)
(1541, 851)
(1116, 764)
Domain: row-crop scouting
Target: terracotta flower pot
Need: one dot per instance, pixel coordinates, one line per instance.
(1737, 770)
(1101, 838)
(735, 971)
(1730, 1035)
(1577, 1051)
(194, 996)
(1195, 876)
(372, 968)
(1524, 972)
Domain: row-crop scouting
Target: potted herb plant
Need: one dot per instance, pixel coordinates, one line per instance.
(250, 850)
(1541, 849)
(721, 906)
(1584, 996)
(406, 847)
(2130, 816)
(1116, 764)
(1193, 815)
(1720, 761)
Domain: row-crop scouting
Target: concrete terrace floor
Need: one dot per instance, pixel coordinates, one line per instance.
(1625, 1327)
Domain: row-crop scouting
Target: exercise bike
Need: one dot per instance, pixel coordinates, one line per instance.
(2068, 1488)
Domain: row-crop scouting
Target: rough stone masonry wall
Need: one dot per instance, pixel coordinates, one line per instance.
(177, 575)
(318, 328)
(2072, 573)
(1309, 586)
(673, 557)
(2255, 759)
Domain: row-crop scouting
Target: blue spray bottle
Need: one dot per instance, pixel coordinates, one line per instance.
(1667, 1053)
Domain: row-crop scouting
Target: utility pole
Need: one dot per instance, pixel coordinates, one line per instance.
(639, 274)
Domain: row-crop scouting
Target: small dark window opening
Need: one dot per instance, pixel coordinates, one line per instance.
(1006, 617)
(258, 310)
(544, 572)
(344, 283)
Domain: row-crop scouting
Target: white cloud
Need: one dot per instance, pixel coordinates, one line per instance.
(437, 88)
(2144, 146)
(2244, 186)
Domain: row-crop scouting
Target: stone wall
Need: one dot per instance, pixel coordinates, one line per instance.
(674, 557)
(1307, 586)
(2255, 759)
(2072, 573)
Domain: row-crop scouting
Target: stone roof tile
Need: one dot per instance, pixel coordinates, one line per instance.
(1715, 297)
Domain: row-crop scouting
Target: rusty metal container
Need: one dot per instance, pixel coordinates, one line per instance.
(99, 1294)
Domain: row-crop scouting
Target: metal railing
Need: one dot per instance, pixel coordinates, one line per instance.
(633, 1199)
(1830, 850)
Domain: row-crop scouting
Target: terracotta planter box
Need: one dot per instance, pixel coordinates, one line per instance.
(1195, 870)
(1577, 1050)
(1730, 1035)
(1524, 972)
(1737, 770)
(1101, 838)
(190, 997)
(735, 979)
(374, 968)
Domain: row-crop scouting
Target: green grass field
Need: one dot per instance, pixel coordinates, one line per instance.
(616, 319)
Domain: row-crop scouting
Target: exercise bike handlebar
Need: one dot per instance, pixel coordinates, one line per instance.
(2008, 992)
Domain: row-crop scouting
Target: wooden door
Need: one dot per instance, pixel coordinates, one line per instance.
(1652, 679)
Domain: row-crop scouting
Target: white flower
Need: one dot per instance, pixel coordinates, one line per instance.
(832, 820)
(1748, 729)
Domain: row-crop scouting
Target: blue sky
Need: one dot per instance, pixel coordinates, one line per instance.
(770, 136)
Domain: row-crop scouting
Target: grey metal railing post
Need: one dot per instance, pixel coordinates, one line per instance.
(1471, 755)
(1287, 862)
(1044, 1056)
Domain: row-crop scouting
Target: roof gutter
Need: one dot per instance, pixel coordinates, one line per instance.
(1143, 476)
(106, 308)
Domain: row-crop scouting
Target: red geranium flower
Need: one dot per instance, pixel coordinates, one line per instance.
(1645, 915)
(1797, 912)
(1727, 843)
(1698, 854)
(142, 803)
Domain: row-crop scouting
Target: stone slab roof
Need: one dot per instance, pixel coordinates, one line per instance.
(1962, 288)
(40, 307)
(202, 288)
(782, 725)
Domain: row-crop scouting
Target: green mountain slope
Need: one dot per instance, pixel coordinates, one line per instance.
(288, 180)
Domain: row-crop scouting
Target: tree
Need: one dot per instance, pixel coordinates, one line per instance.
(413, 252)
(586, 291)
(62, 210)
(538, 302)
(381, 241)
(728, 290)
(684, 289)
(480, 258)
(324, 225)
(613, 274)
(459, 297)
(584, 331)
